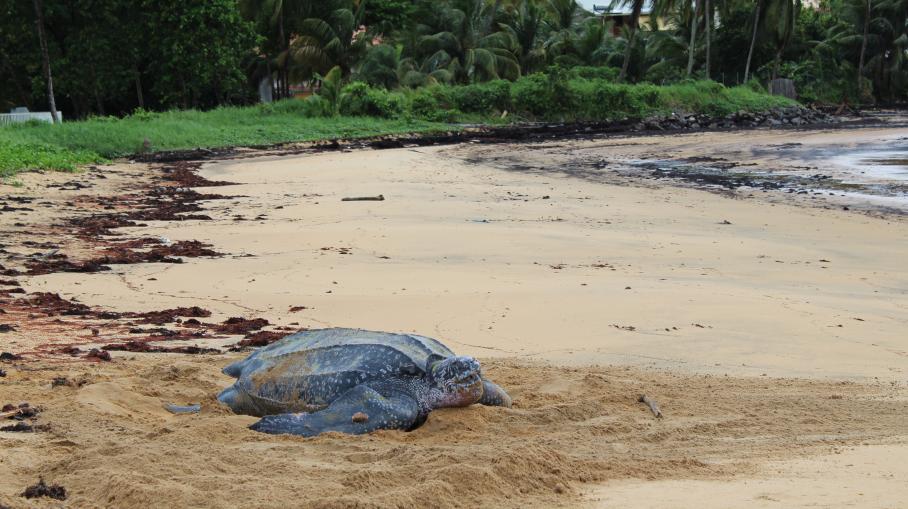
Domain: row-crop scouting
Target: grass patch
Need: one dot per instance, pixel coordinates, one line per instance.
(68, 145)
(18, 156)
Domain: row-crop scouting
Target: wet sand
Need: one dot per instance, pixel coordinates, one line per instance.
(770, 332)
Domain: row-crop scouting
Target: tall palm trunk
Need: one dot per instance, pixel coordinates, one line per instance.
(45, 57)
(753, 40)
(863, 45)
(691, 48)
(708, 32)
(634, 21)
(138, 80)
(284, 90)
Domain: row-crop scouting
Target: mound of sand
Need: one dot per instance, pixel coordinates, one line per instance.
(111, 442)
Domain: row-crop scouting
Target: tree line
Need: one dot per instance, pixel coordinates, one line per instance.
(103, 57)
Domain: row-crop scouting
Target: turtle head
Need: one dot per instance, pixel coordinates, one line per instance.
(458, 380)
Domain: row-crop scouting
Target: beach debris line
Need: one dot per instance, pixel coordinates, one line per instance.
(41, 489)
(258, 339)
(99, 355)
(20, 413)
(62, 381)
(239, 325)
(651, 403)
(21, 427)
(380, 197)
(145, 347)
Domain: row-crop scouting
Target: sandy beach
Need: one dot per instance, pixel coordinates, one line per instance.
(770, 326)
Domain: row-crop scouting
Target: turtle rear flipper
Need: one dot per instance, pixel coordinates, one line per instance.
(235, 369)
(228, 397)
(360, 410)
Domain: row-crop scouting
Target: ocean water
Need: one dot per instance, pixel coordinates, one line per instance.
(888, 165)
(866, 177)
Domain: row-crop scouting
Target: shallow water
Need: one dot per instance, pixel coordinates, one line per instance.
(866, 177)
(890, 164)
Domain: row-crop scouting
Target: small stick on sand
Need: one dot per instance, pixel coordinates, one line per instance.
(11, 413)
(380, 197)
(653, 406)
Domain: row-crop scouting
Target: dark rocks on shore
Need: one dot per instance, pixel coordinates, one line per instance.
(791, 116)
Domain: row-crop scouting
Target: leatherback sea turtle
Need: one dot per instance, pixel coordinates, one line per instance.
(354, 381)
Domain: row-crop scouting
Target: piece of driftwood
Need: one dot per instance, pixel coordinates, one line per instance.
(180, 409)
(380, 197)
(11, 413)
(653, 406)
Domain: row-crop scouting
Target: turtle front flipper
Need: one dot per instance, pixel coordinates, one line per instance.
(493, 395)
(360, 410)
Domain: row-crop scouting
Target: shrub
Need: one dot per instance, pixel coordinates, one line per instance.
(595, 73)
(545, 95)
(530, 95)
(315, 106)
(425, 105)
(359, 99)
(755, 85)
(487, 98)
(298, 106)
(143, 115)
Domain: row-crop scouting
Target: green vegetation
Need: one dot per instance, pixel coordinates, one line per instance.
(15, 157)
(362, 111)
(63, 147)
(114, 56)
(554, 97)
(413, 65)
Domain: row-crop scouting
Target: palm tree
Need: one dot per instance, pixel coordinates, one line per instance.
(693, 39)
(888, 44)
(563, 14)
(594, 44)
(636, 8)
(863, 45)
(561, 26)
(273, 17)
(758, 7)
(325, 43)
(463, 41)
(667, 50)
(708, 13)
(380, 65)
(780, 20)
(524, 25)
(330, 91)
(45, 60)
